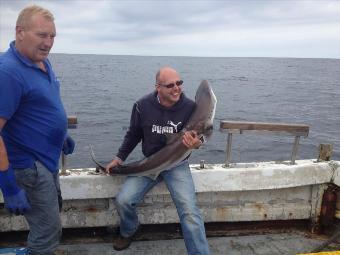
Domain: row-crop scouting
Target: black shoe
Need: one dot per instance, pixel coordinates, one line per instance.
(121, 242)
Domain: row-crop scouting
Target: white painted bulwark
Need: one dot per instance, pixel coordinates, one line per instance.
(243, 192)
(336, 170)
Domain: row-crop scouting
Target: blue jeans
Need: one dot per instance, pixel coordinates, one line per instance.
(41, 187)
(181, 186)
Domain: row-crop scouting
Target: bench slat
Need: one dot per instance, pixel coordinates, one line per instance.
(294, 129)
(72, 120)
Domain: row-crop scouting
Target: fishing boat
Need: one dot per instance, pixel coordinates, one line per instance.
(287, 207)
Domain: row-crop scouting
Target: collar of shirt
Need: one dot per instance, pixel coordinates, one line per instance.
(22, 58)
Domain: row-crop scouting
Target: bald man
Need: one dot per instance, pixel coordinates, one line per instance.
(165, 110)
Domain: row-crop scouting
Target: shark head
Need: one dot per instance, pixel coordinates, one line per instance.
(202, 119)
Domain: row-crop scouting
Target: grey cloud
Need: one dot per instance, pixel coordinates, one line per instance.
(142, 24)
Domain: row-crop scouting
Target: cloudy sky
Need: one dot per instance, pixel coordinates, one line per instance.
(224, 28)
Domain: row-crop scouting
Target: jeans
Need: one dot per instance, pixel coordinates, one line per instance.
(181, 186)
(41, 187)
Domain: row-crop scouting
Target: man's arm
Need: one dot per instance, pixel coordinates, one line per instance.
(15, 198)
(132, 137)
(3, 154)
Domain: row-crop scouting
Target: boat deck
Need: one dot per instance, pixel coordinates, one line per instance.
(256, 208)
(269, 244)
(166, 239)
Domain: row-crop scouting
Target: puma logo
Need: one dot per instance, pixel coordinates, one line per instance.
(174, 125)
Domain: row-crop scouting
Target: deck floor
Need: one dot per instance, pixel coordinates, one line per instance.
(278, 243)
(269, 244)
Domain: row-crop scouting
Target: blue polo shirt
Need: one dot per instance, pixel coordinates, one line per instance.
(30, 102)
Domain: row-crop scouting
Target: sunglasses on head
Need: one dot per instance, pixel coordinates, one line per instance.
(171, 85)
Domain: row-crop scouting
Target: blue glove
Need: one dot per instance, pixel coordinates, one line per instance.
(17, 203)
(15, 198)
(68, 146)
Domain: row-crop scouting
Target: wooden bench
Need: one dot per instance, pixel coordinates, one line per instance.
(72, 122)
(238, 127)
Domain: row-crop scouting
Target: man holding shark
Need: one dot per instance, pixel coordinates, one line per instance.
(155, 118)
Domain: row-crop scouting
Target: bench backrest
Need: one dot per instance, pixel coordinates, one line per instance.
(239, 127)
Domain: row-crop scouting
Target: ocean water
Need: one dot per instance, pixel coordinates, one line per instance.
(101, 89)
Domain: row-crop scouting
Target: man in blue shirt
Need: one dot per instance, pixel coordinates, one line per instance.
(33, 127)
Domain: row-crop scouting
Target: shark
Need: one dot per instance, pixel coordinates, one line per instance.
(174, 152)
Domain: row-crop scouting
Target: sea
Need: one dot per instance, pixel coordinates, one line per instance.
(101, 89)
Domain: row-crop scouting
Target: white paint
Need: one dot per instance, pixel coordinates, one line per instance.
(245, 192)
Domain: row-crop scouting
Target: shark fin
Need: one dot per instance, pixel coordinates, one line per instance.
(100, 166)
(152, 176)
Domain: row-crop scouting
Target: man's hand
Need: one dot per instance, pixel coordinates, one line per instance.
(191, 139)
(17, 203)
(113, 163)
(15, 198)
(68, 146)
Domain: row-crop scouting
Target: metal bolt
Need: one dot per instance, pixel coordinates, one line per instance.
(202, 163)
